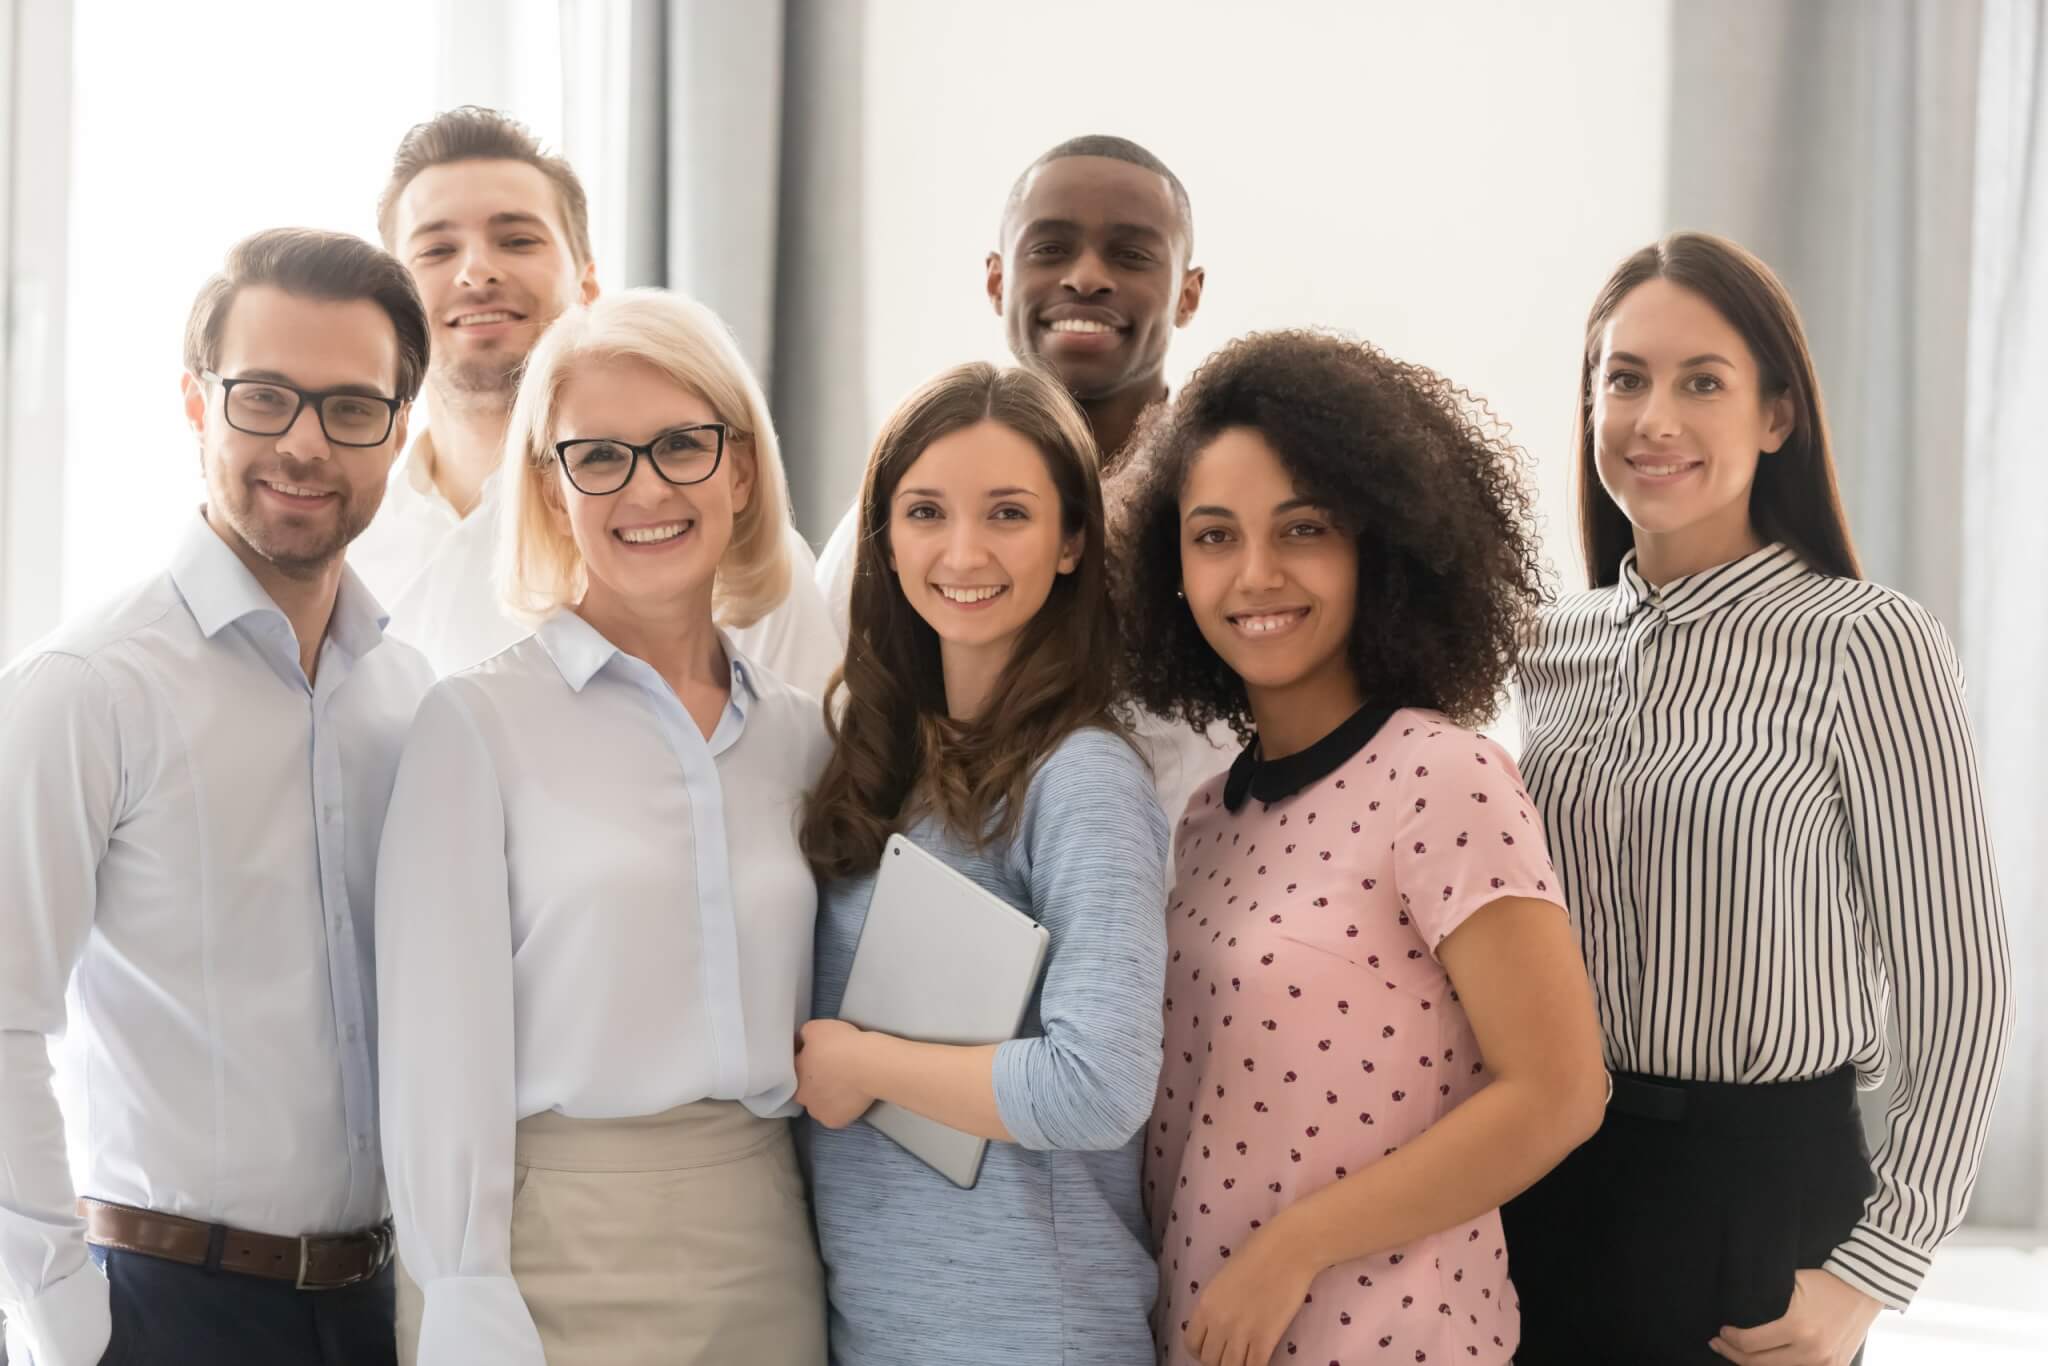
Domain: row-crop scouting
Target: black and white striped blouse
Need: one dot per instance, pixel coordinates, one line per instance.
(1760, 792)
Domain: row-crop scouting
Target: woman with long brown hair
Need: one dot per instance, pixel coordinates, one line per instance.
(978, 720)
(1756, 774)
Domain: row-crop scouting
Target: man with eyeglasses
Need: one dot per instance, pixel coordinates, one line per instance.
(496, 232)
(195, 779)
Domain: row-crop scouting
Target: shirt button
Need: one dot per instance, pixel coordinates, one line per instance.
(330, 813)
(362, 1144)
(351, 1033)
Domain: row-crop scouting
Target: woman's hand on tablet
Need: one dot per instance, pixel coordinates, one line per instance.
(826, 1074)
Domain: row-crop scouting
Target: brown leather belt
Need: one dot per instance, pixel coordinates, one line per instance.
(310, 1263)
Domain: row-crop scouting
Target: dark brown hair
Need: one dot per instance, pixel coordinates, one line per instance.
(1417, 471)
(896, 754)
(474, 133)
(1794, 498)
(314, 265)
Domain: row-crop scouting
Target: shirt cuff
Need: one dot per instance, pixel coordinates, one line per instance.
(467, 1319)
(1879, 1265)
(1012, 1080)
(69, 1324)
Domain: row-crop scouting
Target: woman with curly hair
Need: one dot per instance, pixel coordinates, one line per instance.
(1378, 1026)
(978, 722)
(1757, 775)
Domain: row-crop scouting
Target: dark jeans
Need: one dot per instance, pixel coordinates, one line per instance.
(169, 1314)
(1690, 1209)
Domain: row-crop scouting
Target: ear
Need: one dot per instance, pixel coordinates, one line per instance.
(994, 267)
(1778, 423)
(743, 471)
(398, 428)
(1190, 296)
(586, 287)
(194, 390)
(1070, 552)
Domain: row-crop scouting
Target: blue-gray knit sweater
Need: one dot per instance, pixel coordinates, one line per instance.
(1047, 1260)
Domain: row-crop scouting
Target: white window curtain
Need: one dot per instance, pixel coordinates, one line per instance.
(35, 105)
(2005, 624)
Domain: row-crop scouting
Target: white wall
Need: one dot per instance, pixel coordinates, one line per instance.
(1452, 181)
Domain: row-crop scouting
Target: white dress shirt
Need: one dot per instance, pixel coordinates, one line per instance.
(433, 566)
(1182, 759)
(590, 909)
(188, 841)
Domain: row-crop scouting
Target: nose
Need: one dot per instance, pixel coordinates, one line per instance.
(1087, 274)
(305, 439)
(965, 550)
(1259, 570)
(1657, 415)
(478, 267)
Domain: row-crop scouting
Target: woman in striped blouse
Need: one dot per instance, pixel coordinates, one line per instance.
(1757, 778)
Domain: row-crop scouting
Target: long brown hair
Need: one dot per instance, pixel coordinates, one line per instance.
(896, 754)
(1794, 498)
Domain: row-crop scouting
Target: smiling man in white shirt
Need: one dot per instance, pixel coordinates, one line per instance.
(496, 232)
(196, 777)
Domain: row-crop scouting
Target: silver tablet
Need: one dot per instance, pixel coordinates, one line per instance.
(941, 960)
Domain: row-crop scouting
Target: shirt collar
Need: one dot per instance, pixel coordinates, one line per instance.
(216, 585)
(414, 475)
(579, 650)
(1698, 595)
(1272, 780)
(220, 591)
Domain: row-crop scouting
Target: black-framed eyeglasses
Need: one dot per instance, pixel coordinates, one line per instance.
(680, 455)
(268, 407)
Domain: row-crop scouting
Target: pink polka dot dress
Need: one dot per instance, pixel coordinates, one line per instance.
(1311, 1031)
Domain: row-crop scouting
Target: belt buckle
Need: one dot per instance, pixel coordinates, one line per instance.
(305, 1252)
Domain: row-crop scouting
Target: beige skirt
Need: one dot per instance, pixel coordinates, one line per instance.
(682, 1237)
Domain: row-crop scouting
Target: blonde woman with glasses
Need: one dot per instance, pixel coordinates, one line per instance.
(596, 947)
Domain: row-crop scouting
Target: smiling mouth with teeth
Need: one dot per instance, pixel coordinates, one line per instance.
(295, 490)
(971, 595)
(652, 535)
(1086, 326)
(1261, 623)
(485, 319)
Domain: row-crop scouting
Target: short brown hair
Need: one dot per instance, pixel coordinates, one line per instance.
(313, 264)
(474, 133)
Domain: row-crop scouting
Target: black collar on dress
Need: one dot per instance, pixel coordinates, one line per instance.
(1272, 780)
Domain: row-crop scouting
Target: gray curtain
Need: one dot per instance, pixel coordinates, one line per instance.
(745, 190)
(1840, 140)
(2005, 483)
(1835, 138)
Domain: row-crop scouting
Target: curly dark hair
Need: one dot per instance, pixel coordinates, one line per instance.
(1417, 470)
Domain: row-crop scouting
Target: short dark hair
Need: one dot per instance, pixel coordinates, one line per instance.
(1116, 149)
(471, 132)
(1416, 470)
(313, 264)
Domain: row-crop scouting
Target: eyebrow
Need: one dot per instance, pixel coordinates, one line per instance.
(503, 218)
(1068, 225)
(1291, 505)
(279, 377)
(1010, 491)
(1704, 358)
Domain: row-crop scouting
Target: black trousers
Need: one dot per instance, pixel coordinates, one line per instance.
(1690, 1209)
(170, 1314)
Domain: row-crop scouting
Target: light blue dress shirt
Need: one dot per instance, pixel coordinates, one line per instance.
(188, 841)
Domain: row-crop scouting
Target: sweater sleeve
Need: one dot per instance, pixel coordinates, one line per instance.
(1094, 844)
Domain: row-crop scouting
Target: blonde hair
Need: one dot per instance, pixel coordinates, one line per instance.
(539, 569)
